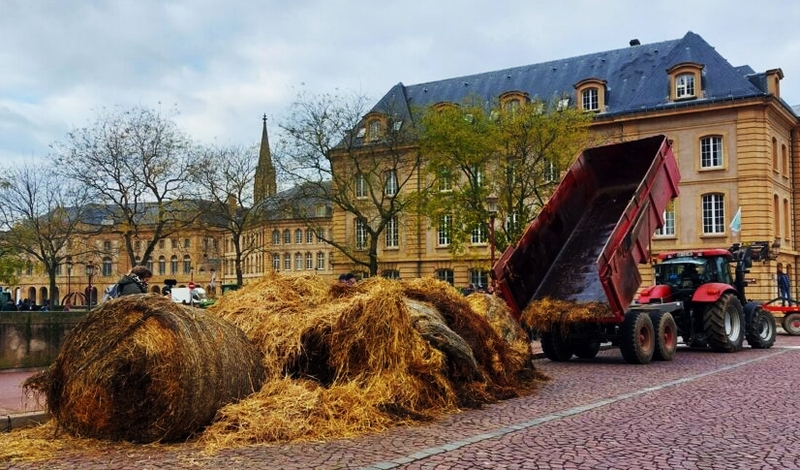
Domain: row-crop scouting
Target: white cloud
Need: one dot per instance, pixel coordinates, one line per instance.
(223, 63)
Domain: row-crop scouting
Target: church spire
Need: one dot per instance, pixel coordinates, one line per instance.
(265, 179)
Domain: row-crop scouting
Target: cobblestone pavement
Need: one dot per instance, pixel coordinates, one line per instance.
(703, 410)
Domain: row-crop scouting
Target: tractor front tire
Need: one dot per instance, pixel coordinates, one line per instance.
(556, 347)
(637, 338)
(761, 330)
(666, 334)
(791, 323)
(723, 323)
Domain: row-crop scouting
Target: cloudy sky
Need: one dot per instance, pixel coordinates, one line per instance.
(224, 63)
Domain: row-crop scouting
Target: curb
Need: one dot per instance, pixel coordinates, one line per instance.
(23, 420)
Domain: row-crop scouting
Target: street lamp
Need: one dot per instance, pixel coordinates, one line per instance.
(491, 208)
(90, 273)
(69, 277)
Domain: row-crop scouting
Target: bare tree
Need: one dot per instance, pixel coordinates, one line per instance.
(41, 213)
(136, 163)
(328, 152)
(223, 183)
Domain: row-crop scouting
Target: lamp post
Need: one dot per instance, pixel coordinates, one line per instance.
(69, 277)
(491, 208)
(90, 273)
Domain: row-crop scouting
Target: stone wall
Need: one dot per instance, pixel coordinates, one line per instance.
(33, 339)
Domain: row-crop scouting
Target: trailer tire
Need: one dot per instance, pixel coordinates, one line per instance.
(586, 349)
(723, 324)
(637, 338)
(556, 347)
(666, 335)
(761, 330)
(791, 323)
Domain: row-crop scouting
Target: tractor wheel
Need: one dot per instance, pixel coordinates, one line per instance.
(791, 323)
(555, 346)
(761, 330)
(666, 335)
(586, 349)
(723, 323)
(637, 338)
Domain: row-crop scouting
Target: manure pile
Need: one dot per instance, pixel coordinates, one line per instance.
(286, 358)
(549, 315)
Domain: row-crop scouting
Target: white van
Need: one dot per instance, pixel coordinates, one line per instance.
(198, 298)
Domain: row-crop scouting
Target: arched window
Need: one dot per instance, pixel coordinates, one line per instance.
(173, 264)
(287, 236)
(187, 264)
(162, 265)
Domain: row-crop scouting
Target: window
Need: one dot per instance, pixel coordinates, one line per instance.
(776, 220)
(445, 180)
(391, 183)
(162, 265)
(187, 264)
(785, 160)
(477, 174)
(149, 264)
(173, 268)
(107, 246)
(106, 266)
(287, 262)
(361, 186)
(590, 99)
(161, 244)
(174, 243)
(711, 152)
(669, 224)
(374, 131)
(478, 235)
(298, 261)
(298, 236)
(390, 274)
(684, 86)
(187, 243)
(713, 214)
(276, 262)
(320, 235)
(512, 106)
(392, 235)
(361, 235)
(397, 125)
(320, 261)
(137, 245)
(445, 224)
(479, 278)
(287, 236)
(276, 237)
(309, 260)
(774, 154)
(445, 275)
(309, 236)
(787, 227)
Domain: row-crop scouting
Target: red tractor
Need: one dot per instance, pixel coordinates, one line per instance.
(715, 311)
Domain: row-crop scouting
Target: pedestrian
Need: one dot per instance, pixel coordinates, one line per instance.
(784, 287)
(67, 307)
(347, 279)
(135, 282)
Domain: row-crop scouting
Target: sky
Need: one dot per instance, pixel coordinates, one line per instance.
(223, 64)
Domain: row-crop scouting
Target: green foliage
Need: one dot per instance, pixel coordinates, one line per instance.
(515, 153)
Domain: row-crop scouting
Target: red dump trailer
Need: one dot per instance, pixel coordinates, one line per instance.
(586, 244)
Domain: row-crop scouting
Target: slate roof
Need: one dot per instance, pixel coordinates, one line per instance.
(636, 80)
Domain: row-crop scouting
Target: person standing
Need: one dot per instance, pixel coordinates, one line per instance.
(784, 287)
(135, 282)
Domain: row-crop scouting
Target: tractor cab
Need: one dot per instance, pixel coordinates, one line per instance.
(691, 270)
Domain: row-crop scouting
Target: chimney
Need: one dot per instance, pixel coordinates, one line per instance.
(634, 42)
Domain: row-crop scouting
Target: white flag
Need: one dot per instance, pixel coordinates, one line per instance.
(736, 222)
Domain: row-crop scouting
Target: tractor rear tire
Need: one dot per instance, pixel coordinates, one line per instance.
(666, 331)
(637, 338)
(723, 323)
(586, 349)
(791, 323)
(761, 330)
(556, 347)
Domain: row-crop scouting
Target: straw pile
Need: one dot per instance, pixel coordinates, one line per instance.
(548, 315)
(342, 361)
(142, 368)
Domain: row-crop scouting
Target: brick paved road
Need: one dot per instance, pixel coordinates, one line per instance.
(701, 411)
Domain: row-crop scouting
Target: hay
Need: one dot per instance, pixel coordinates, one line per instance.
(549, 315)
(143, 368)
(343, 361)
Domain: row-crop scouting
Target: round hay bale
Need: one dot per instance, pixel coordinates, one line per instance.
(142, 368)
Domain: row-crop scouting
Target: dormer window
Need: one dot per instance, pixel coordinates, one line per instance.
(512, 101)
(685, 81)
(684, 86)
(590, 94)
(374, 130)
